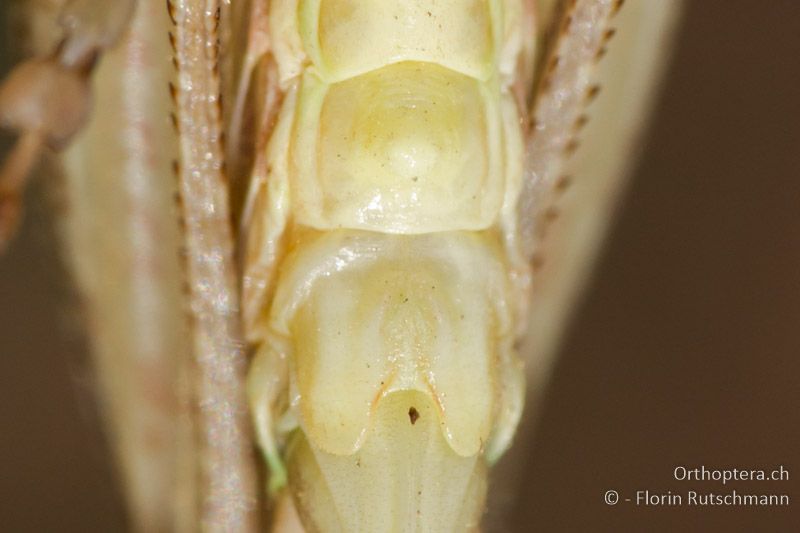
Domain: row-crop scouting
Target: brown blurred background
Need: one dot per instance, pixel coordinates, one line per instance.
(684, 351)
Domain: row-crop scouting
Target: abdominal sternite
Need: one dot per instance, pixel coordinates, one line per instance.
(383, 284)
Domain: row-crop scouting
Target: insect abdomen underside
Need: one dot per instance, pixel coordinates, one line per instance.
(382, 284)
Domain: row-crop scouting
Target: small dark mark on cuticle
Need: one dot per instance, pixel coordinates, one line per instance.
(563, 183)
(600, 53)
(571, 146)
(592, 93)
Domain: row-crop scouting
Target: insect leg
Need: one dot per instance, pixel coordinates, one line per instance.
(266, 381)
(227, 488)
(256, 49)
(47, 100)
(13, 177)
(264, 221)
(570, 189)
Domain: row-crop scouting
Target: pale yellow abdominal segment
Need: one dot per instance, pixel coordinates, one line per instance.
(384, 313)
(345, 38)
(367, 491)
(385, 309)
(379, 151)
